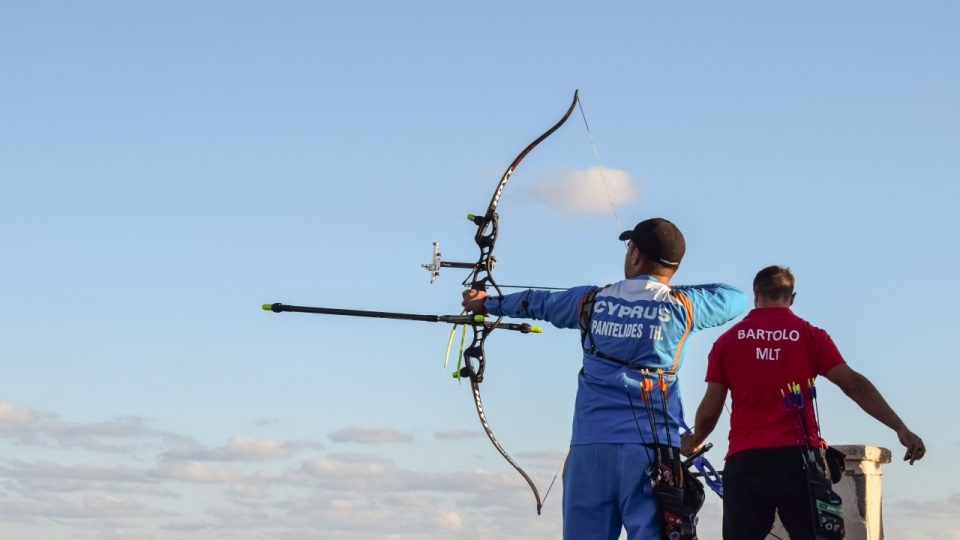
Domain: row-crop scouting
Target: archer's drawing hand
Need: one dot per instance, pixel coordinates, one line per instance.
(915, 448)
(473, 301)
(687, 446)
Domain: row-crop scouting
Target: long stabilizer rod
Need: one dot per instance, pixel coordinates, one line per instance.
(451, 319)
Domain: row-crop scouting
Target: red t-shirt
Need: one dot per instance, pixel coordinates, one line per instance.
(769, 349)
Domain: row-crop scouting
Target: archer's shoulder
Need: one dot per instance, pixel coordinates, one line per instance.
(721, 292)
(638, 289)
(812, 329)
(710, 287)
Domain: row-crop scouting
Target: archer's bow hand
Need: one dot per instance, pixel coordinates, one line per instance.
(473, 301)
(688, 445)
(915, 448)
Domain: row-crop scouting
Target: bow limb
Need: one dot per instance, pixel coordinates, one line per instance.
(496, 444)
(516, 161)
(480, 279)
(476, 353)
(487, 226)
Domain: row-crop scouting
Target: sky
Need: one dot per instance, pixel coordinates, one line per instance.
(166, 168)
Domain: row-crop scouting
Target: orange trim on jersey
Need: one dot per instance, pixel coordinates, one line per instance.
(688, 307)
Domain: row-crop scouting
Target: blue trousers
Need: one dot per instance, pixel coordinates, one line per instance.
(605, 487)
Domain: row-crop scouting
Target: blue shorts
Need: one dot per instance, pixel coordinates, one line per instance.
(605, 488)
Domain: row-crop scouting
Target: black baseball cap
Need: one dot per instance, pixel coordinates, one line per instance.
(658, 239)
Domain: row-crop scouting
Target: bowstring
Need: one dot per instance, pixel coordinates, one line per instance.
(560, 468)
(616, 215)
(599, 166)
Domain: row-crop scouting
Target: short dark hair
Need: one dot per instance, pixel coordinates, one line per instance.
(774, 283)
(654, 267)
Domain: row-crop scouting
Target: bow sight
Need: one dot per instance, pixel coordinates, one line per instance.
(435, 266)
(437, 263)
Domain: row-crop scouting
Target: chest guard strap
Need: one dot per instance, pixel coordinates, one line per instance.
(590, 347)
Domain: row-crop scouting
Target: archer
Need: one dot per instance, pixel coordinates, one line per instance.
(636, 327)
(776, 461)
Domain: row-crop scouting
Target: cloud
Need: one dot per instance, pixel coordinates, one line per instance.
(949, 534)
(364, 435)
(186, 526)
(545, 463)
(241, 517)
(410, 500)
(549, 456)
(583, 192)
(374, 475)
(325, 517)
(128, 426)
(35, 428)
(15, 418)
(102, 506)
(247, 491)
(124, 534)
(19, 423)
(355, 496)
(48, 469)
(711, 518)
(339, 496)
(948, 507)
(47, 476)
(457, 435)
(194, 471)
(244, 449)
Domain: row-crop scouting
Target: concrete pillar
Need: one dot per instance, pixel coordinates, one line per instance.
(860, 490)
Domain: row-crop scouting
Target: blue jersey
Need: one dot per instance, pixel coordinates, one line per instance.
(640, 321)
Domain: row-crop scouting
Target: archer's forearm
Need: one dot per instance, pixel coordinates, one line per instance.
(562, 309)
(866, 395)
(704, 423)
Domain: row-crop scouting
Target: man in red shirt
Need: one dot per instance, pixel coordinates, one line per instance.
(756, 359)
